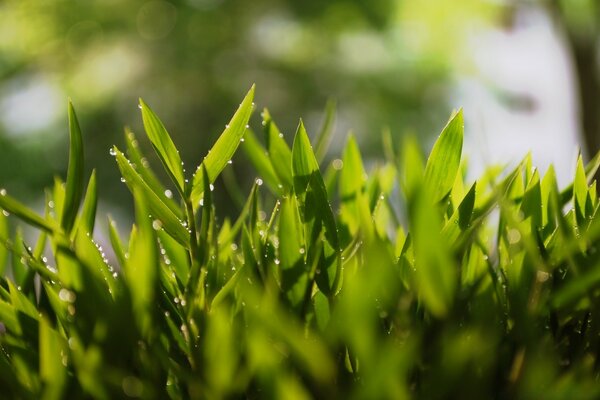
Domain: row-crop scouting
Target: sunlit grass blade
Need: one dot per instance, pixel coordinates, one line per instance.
(260, 160)
(87, 218)
(279, 151)
(141, 268)
(141, 165)
(157, 208)
(444, 160)
(13, 206)
(74, 184)
(224, 148)
(163, 145)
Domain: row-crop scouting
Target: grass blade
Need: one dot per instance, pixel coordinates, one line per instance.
(224, 148)
(74, 184)
(444, 160)
(163, 145)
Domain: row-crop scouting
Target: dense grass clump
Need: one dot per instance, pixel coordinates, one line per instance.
(319, 289)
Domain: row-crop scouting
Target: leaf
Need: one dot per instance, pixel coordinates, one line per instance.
(444, 160)
(87, 219)
(157, 208)
(305, 171)
(260, 160)
(279, 151)
(13, 206)
(74, 189)
(352, 175)
(224, 148)
(4, 232)
(142, 166)
(435, 270)
(164, 146)
(53, 349)
(141, 269)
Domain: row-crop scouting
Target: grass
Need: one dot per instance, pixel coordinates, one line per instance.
(489, 289)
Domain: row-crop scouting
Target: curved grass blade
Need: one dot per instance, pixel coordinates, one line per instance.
(224, 147)
(13, 206)
(74, 184)
(444, 161)
(157, 208)
(142, 167)
(258, 157)
(163, 145)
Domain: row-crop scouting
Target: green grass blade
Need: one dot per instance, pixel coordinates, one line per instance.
(158, 209)
(260, 160)
(279, 151)
(142, 166)
(163, 145)
(224, 148)
(87, 218)
(444, 160)
(352, 176)
(74, 184)
(13, 206)
(141, 269)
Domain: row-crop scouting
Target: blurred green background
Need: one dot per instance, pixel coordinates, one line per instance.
(386, 63)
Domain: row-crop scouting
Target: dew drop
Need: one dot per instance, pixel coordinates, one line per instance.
(2, 192)
(211, 187)
(112, 151)
(156, 225)
(168, 194)
(259, 181)
(123, 180)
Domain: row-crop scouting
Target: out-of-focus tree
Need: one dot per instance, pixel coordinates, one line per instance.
(385, 61)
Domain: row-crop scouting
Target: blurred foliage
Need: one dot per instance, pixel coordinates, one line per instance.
(384, 61)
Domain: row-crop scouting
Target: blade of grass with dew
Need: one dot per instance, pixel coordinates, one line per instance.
(164, 146)
(142, 166)
(305, 170)
(224, 148)
(280, 153)
(13, 206)
(260, 160)
(157, 208)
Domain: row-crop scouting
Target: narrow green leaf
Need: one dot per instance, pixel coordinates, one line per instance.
(74, 189)
(435, 270)
(87, 219)
(53, 349)
(163, 145)
(260, 160)
(4, 233)
(115, 241)
(158, 209)
(141, 269)
(142, 166)
(352, 176)
(224, 148)
(279, 151)
(444, 160)
(13, 206)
